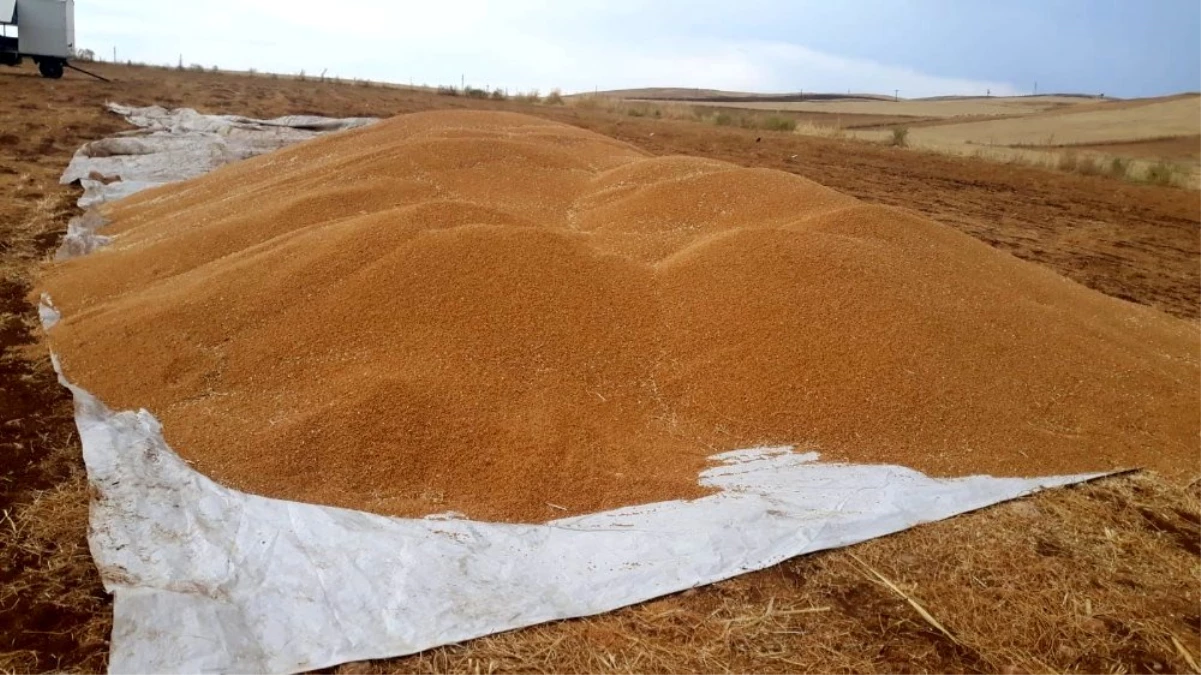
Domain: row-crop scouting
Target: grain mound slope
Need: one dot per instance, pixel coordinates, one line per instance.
(492, 313)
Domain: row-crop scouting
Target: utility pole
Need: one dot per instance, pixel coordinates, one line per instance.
(896, 95)
(1036, 88)
(114, 53)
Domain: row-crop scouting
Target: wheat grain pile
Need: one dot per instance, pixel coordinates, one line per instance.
(508, 317)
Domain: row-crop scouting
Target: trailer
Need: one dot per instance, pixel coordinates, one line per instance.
(45, 33)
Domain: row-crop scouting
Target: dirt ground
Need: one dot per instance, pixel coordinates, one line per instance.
(1101, 578)
(1180, 148)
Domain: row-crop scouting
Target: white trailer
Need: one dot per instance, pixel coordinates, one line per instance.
(45, 33)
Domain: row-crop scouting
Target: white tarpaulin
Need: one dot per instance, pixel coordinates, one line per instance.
(209, 579)
(170, 146)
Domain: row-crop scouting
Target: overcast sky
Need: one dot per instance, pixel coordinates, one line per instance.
(921, 47)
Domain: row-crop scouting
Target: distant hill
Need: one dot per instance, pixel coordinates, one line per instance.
(1083, 97)
(719, 96)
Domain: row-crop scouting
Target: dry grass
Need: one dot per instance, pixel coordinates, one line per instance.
(821, 130)
(53, 612)
(1162, 173)
(49, 575)
(678, 111)
(684, 111)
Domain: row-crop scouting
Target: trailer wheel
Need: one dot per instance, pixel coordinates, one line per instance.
(51, 68)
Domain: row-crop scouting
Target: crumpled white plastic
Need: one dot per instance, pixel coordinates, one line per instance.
(175, 145)
(81, 237)
(209, 579)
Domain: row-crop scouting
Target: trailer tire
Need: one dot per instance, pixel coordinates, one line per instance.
(51, 68)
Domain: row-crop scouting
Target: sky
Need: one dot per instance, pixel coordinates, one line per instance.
(1123, 48)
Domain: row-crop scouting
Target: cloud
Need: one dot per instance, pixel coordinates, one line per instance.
(523, 44)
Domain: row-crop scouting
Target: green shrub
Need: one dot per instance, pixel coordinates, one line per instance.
(778, 123)
(499, 95)
(900, 137)
(447, 91)
(1161, 173)
(472, 92)
(555, 97)
(722, 119)
(1119, 168)
(586, 102)
(1088, 166)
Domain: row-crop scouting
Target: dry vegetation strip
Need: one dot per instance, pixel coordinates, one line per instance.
(1098, 578)
(947, 108)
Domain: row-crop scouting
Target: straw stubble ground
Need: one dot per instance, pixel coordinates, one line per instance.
(1102, 577)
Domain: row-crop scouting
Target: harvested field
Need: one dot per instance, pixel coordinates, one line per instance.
(1097, 578)
(1074, 126)
(1150, 132)
(916, 108)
